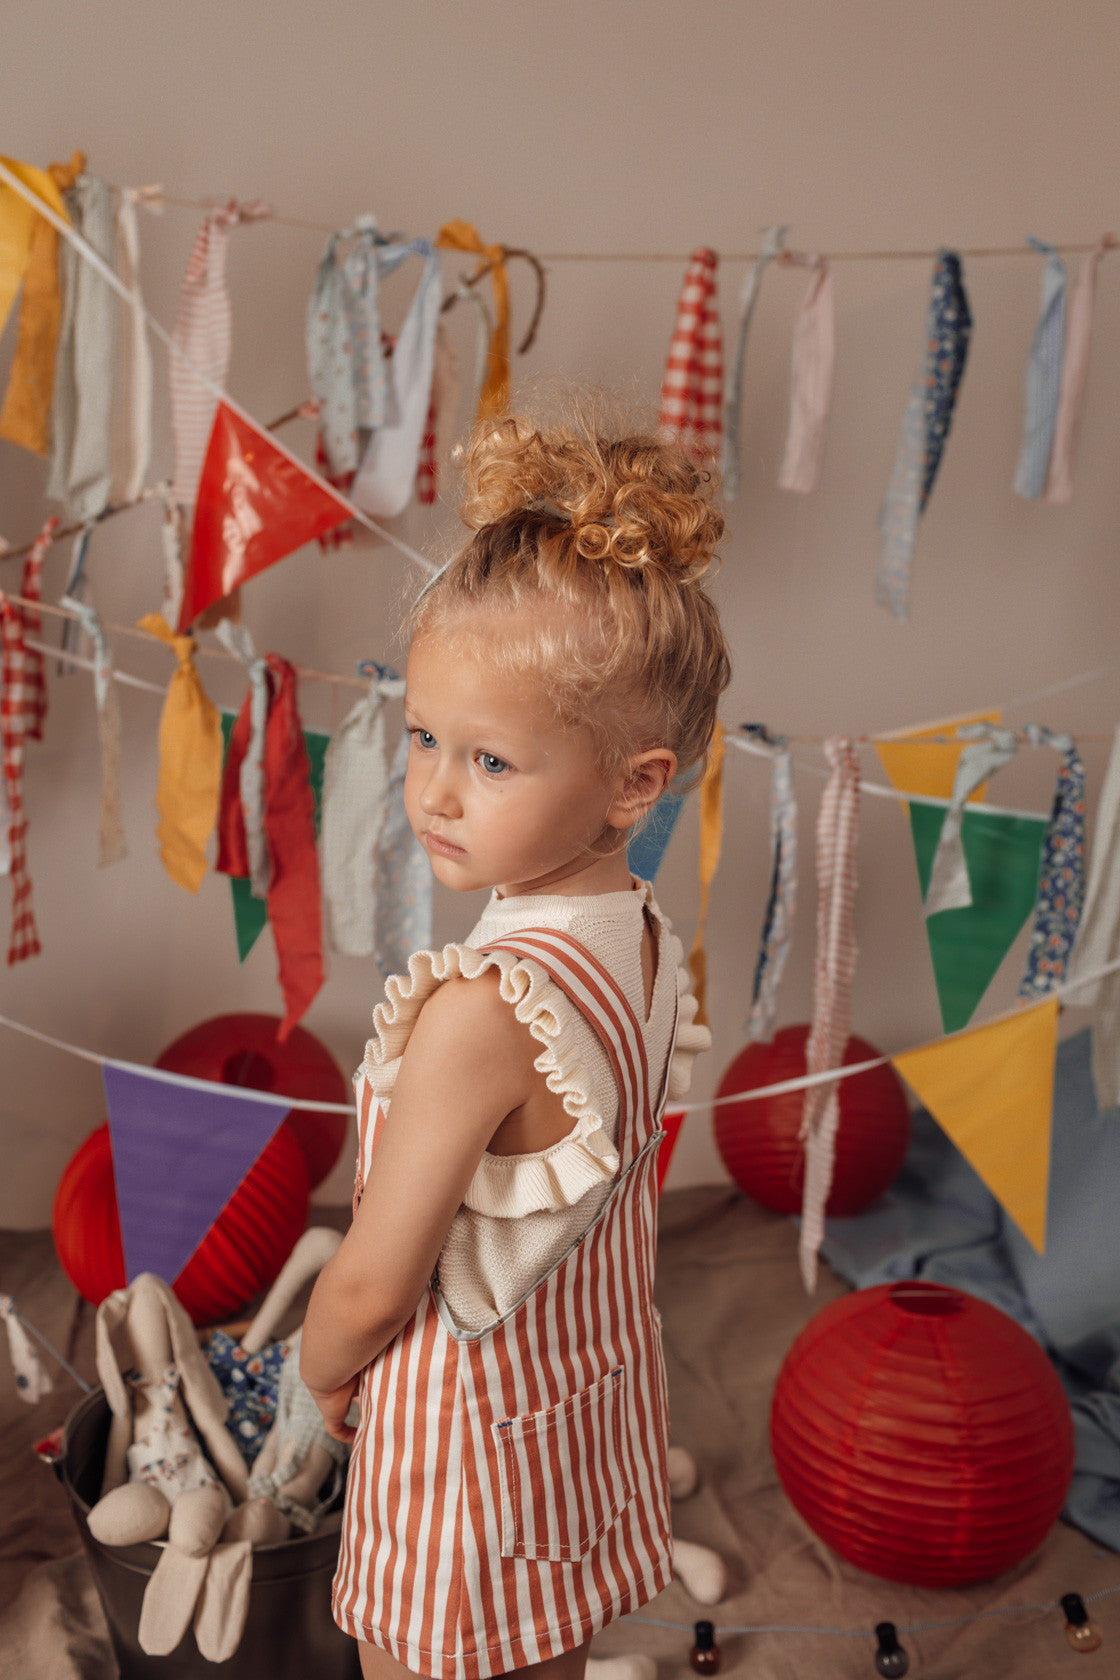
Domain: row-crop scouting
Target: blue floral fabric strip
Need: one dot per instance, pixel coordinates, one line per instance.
(1061, 886)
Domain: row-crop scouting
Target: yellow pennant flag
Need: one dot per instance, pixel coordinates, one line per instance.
(711, 838)
(992, 1090)
(190, 764)
(917, 762)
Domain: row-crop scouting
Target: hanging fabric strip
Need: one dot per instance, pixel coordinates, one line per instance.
(354, 790)
(925, 429)
(26, 415)
(385, 479)
(32, 1381)
(111, 843)
(814, 354)
(711, 838)
(777, 925)
(294, 903)
(463, 236)
(445, 397)
(834, 971)
(990, 750)
(132, 434)
(343, 333)
(251, 785)
(17, 714)
(403, 882)
(1061, 887)
(203, 332)
(691, 413)
(18, 217)
(172, 542)
(1043, 377)
(190, 763)
(31, 591)
(1075, 373)
(233, 849)
(82, 405)
(1098, 938)
(77, 589)
(772, 241)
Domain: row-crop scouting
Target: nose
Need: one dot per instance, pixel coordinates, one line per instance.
(439, 796)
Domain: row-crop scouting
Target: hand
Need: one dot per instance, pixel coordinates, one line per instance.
(334, 1404)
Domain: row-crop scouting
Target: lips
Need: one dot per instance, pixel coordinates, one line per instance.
(443, 848)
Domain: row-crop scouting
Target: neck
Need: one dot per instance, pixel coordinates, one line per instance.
(584, 876)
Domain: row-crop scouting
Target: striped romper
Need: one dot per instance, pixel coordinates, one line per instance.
(508, 1490)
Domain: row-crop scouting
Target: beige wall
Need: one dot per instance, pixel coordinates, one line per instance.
(595, 126)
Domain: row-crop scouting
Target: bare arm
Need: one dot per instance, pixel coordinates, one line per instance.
(467, 1065)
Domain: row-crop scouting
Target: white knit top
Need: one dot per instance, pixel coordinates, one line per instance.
(522, 1213)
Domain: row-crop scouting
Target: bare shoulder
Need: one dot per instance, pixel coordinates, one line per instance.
(465, 1018)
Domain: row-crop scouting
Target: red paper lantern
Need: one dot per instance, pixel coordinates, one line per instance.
(242, 1050)
(922, 1434)
(759, 1140)
(239, 1256)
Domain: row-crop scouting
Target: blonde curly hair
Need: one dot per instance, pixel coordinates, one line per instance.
(588, 562)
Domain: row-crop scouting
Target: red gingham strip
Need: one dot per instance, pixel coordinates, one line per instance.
(17, 707)
(692, 391)
(35, 679)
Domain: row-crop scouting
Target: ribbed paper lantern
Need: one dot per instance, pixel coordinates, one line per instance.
(242, 1050)
(922, 1434)
(759, 1140)
(239, 1256)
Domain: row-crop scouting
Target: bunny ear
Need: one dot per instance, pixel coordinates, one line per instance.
(169, 1600)
(111, 1314)
(223, 1604)
(306, 1260)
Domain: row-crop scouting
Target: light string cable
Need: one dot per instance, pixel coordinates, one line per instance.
(86, 1388)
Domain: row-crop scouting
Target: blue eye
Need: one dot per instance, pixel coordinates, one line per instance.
(492, 764)
(425, 737)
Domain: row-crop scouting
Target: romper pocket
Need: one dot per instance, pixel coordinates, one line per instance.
(564, 1473)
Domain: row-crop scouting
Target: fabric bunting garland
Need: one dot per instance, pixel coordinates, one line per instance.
(460, 235)
(81, 457)
(989, 749)
(1075, 374)
(814, 354)
(19, 711)
(833, 973)
(711, 840)
(781, 904)
(1061, 888)
(403, 890)
(923, 761)
(190, 763)
(691, 413)
(26, 415)
(353, 812)
(1098, 939)
(925, 429)
(111, 843)
(772, 242)
(1043, 377)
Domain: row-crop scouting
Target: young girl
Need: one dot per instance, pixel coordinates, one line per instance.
(491, 1306)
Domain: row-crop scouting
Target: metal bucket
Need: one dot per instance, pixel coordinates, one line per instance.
(289, 1632)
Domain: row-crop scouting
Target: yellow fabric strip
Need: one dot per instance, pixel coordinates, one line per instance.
(464, 236)
(711, 838)
(190, 764)
(26, 416)
(992, 1091)
(917, 762)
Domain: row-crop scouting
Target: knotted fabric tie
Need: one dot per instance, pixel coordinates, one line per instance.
(1043, 377)
(1098, 937)
(772, 242)
(925, 429)
(35, 677)
(18, 716)
(691, 414)
(711, 838)
(82, 406)
(463, 236)
(354, 788)
(32, 1381)
(403, 883)
(834, 969)
(949, 887)
(203, 334)
(385, 478)
(26, 415)
(190, 763)
(1061, 886)
(132, 421)
(111, 843)
(1075, 373)
(814, 353)
(777, 924)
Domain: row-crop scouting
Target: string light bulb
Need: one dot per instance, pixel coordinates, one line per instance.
(891, 1660)
(705, 1655)
(1081, 1633)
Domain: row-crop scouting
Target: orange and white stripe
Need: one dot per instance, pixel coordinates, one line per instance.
(508, 1489)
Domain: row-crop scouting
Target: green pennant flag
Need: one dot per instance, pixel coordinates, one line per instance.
(1004, 853)
(250, 914)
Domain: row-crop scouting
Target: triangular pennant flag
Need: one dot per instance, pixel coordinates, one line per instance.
(250, 915)
(649, 845)
(255, 506)
(1003, 851)
(991, 1090)
(917, 762)
(181, 1147)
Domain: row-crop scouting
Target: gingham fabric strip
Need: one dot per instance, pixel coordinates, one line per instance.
(781, 905)
(772, 241)
(132, 419)
(17, 712)
(925, 429)
(493, 397)
(111, 843)
(1061, 886)
(190, 763)
(26, 415)
(989, 750)
(386, 476)
(1043, 377)
(403, 880)
(354, 785)
(1075, 373)
(32, 1381)
(31, 590)
(691, 412)
(80, 470)
(833, 973)
(814, 355)
(1098, 938)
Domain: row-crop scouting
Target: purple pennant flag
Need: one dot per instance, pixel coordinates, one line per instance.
(181, 1147)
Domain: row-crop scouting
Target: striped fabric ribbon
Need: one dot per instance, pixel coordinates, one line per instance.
(772, 241)
(354, 786)
(111, 843)
(989, 750)
(691, 413)
(80, 471)
(1061, 886)
(18, 712)
(35, 677)
(1075, 373)
(1098, 938)
(132, 420)
(814, 355)
(834, 970)
(777, 925)
(1043, 377)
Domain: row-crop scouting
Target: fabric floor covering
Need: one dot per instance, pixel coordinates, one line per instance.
(732, 1303)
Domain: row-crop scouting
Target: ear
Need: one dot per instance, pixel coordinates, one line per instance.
(643, 781)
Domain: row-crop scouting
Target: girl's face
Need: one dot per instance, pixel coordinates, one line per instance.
(497, 791)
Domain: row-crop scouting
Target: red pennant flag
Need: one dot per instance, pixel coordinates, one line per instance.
(255, 506)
